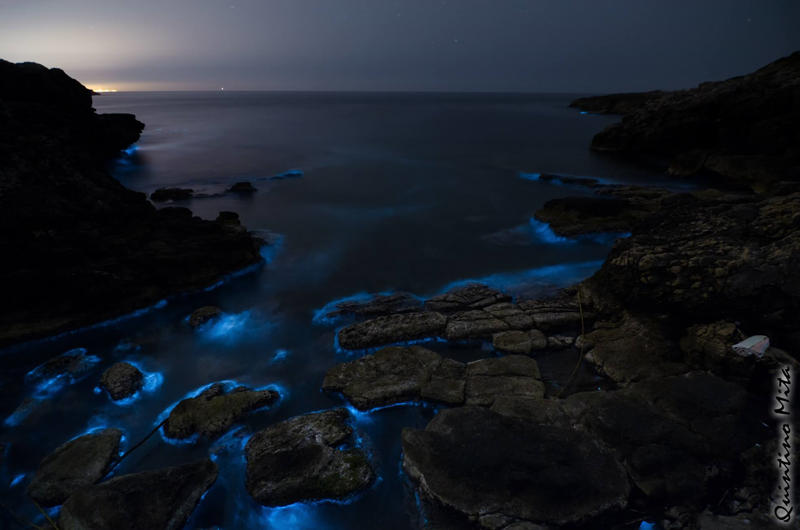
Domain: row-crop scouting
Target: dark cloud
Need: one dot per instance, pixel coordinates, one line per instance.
(501, 45)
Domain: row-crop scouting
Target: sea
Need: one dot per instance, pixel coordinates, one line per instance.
(357, 193)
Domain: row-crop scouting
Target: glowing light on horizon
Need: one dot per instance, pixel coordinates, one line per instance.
(101, 90)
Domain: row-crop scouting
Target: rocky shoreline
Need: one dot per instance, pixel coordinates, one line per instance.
(672, 429)
(78, 247)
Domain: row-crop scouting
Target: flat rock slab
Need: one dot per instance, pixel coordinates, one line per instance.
(512, 375)
(474, 296)
(475, 324)
(520, 342)
(378, 305)
(164, 498)
(397, 374)
(214, 411)
(300, 460)
(78, 463)
(491, 467)
(392, 328)
(121, 380)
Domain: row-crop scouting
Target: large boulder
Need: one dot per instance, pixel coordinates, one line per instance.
(78, 463)
(164, 498)
(300, 460)
(499, 469)
(215, 410)
(391, 375)
(392, 328)
(121, 380)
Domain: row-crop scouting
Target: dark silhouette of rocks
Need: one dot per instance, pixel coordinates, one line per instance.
(171, 194)
(77, 246)
(742, 129)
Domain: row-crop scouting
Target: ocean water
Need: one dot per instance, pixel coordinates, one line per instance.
(374, 193)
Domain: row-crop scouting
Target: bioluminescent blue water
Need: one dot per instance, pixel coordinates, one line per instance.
(380, 193)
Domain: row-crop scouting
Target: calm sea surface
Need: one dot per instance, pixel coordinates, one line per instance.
(384, 192)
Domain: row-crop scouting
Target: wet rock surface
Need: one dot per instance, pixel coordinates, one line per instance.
(76, 464)
(299, 460)
(215, 411)
(121, 380)
(164, 498)
(396, 375)
(481, 464)
(392, 328)
(475, 296)
(79, 247)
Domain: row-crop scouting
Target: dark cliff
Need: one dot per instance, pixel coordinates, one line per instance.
(77, 246)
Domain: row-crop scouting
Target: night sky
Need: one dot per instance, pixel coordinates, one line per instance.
(448, 45)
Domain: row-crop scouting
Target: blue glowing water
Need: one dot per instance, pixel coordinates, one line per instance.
(389, 192)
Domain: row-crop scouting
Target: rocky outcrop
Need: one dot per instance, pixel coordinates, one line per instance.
(78, 247)
(704, 260)
(396, 375)
(67, 368)
(300, 460)
(497, 470)
(244, 188)
(473, 296)
(76, 464)
(164, 498)
(215, 411)
(741, 129)
(121, 380)
(392, 328)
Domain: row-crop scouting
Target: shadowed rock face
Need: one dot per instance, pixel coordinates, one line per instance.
(164, 498)
(392, 328)
(77, 246)
(299, 460)
(743, 129)
(214, 411)
(74, 465)
(489, 467)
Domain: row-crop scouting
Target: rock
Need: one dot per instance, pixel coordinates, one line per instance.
(511, 314)
(616, 103)
(164, 498)
(215, 410)
(473, 325)
(513, 375)
(392, 328)
(299, 460)
(705, 259)
(446, 384)
(559, 313)
(559, 342)
(171, 194)
(397, 374)
(678, 436)
(203, 314)
(633, 349)
(478, 463)
(522, 342)
(710, 346)
(78, 247)
(473, 296)
(378, 305)
(121, 380)
(741, 128)
(67, 368)
(242, 188)
(392, 375)
(78, 463)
